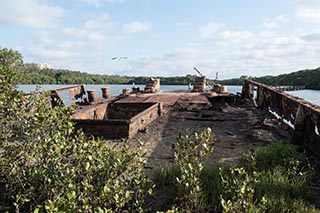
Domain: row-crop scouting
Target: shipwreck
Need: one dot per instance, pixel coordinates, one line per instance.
(124, 115)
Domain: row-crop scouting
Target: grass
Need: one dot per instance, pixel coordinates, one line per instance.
(278, 175)
(276, 154)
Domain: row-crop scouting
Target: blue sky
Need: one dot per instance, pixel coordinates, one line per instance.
(165, 37)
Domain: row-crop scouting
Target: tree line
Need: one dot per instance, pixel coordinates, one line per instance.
(310, 78)
(34, 75)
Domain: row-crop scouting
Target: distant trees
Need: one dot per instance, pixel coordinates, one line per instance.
(308, 78)
(232, 81)
(33, 75)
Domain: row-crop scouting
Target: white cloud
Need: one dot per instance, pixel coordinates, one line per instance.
(309, 14)
(45, 54)
(264, 53)
(49, 41)
(235, 36)
(176, 63)
(96, 31)
(287, 41)
(99, 22)
(276, 54)
(312, 37)
(96, 3)
(282, 19)
(309, 10)
(266, 34)
(29, 13)
(75, 32)
(136, 27)
(100, 3)
(97, 39)
(271, 24)
(78, 48)
(102, 41)
(208, 32)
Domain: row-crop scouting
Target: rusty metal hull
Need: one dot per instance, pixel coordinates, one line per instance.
(116, 120)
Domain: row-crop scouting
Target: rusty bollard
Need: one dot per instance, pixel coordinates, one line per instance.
(91, 95)
(105, 92)
(126, 91)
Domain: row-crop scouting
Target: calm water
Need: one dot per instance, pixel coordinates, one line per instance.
(312, 96)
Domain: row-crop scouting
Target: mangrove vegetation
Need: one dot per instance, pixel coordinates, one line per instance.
(308, 78)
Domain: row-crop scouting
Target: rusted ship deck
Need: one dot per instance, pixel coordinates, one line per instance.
(238, 127)
(241, 123)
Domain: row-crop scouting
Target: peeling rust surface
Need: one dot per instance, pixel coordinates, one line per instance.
(115, 120)
(303, 116)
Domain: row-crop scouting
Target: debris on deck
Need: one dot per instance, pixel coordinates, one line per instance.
(152, 86)
(301, 116)
(114, 120)
(200, 84)
(246, 118)
(123, 116)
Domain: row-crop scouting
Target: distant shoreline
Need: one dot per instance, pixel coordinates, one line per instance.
(312, 96)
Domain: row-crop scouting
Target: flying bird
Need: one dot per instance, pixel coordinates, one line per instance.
(119, 58)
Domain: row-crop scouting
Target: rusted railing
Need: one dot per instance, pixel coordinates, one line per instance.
(75, 92)
(290, 88)
(302, 116)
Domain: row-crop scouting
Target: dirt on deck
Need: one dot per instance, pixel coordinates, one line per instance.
(238, 128)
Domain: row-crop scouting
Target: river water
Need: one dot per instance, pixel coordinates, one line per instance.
(312, 96)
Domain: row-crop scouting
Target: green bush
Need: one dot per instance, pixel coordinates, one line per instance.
(189, 153)
(238, 191)
(273, 179)
(53, 168)
(10, 99)
(48, 166)
(244, 188)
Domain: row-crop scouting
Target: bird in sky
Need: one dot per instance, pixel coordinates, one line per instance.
(119, 58)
